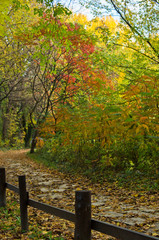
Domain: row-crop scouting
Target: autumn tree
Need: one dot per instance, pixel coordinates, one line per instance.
(61, 53)
(14, 68)
(117, 126)
(132, 50)
(135, 42)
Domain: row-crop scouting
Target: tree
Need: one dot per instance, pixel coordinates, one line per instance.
(61, 55)
(116, 127)
(132, 50)
(14, 67)
(139, 23)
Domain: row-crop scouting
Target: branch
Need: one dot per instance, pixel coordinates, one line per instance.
(133, 28)
(134, 49)
(156, 1)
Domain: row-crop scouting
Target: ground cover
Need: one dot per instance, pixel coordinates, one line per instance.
(134, 209)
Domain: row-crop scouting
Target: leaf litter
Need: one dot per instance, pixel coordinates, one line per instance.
(136, 210)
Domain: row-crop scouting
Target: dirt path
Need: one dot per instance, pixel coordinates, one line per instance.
(135, 210)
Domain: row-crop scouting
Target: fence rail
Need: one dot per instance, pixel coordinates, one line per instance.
(52, 210)
(82, 216)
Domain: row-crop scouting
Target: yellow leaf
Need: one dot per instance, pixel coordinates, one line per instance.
(155, 234)
(141, 127)
(64, 226)
(142, 198)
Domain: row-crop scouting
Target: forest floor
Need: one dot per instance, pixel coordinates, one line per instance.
(136, 210)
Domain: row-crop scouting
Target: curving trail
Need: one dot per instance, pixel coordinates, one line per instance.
(134, 210)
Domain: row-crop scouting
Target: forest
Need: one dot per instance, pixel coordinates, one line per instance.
(82, 93)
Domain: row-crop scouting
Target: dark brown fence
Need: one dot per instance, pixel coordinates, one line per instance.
(82, 216)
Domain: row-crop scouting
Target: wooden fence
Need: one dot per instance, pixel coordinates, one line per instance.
(82, 216)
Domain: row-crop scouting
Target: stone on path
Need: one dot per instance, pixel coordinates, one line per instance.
(133, 221)
(63, 186)
(112, 214)
(48, 183)
(56, 196)
(147, 210)
(42, 195)
(98, 204)
(44, 190)
(58, 190)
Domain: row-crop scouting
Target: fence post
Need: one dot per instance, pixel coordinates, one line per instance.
(23, 203)
(2, 187)
(83, 215)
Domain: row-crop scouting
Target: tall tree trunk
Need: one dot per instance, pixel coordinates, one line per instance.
(28, 136)
(27, 130)
(5, 124)
(34, 141)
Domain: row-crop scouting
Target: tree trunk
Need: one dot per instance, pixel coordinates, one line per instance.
(34, 141)
(5, 124)
(28, 136)
(28, 131)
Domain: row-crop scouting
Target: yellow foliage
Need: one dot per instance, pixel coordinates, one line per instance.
(104, 22)
(19, 18)
(121, 77)
(141, 129)
(96, 25)
(40, 142)
(80, 19)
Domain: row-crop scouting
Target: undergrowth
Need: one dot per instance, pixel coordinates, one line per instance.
(131, 179)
